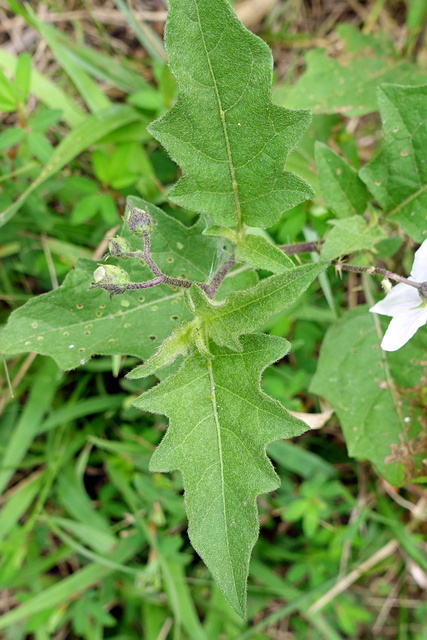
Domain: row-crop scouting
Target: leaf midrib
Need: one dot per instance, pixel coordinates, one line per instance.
(218, 430)
(234, 183)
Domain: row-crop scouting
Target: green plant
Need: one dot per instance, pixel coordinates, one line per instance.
(182, 296)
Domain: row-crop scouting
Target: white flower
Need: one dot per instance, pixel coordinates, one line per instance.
(405, 305)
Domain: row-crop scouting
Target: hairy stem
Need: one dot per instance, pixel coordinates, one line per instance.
(341, 266)
(301, 247)
(212, 287)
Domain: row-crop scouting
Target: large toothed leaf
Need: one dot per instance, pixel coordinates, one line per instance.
(220, 425)
(228, 137)
(347, 82)
(74, 323)
(378, 396)
(397, 177)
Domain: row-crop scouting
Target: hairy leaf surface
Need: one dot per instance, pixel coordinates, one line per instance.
(228, 137)
(245, 311)
(378, 396)
(72, 323)
(262, 254)
(220, 425)
(397, 177)
(241, 312)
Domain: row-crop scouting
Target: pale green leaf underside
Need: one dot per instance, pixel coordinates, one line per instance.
(262, 254)
(343, 190)
(254, 249)
(349, 235)
(224, 322)
(245, 311)
(220, 425)
(397, 177)
(382, 415)
(74, 323)
(228, 137)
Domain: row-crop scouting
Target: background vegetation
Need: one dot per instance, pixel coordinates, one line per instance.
(92, 545)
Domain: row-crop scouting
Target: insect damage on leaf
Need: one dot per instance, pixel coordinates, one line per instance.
(228, 137)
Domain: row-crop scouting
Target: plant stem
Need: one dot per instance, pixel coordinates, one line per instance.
(383, 272)
(209, 288)
(212, 287)
(301, 247)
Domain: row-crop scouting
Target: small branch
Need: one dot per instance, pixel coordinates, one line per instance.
(147, 255)
(212, 287)
(382, 272)
(301, 247)
(141, 285)
(119, 248)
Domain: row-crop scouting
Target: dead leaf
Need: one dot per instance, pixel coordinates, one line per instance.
(314, 420)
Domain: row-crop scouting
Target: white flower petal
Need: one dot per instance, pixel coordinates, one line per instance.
(401, 298)
(402, 328)
(419, 268)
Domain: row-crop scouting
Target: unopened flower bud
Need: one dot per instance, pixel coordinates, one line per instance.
(137, 220)
(118, 247)
(110, 278)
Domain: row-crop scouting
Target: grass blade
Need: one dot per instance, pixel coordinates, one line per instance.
(87, 133)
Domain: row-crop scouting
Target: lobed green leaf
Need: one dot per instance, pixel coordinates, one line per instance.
(348, 84)
(228, 137)
(220, 425)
